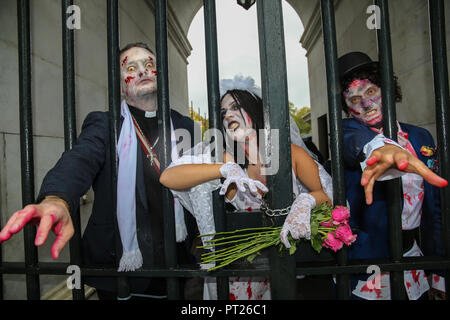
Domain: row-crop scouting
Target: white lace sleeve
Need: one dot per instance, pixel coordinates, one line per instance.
(198, 200)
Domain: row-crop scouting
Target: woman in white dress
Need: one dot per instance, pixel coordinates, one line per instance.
(194, 176)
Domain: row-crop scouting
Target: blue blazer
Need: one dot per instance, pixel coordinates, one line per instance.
(371, 221)
(88, 164)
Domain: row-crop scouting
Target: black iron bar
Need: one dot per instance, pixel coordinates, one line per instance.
(336, 136)
(393, 189)
(26, 140)
(123, 288)
(440, 72)
(313, 268)
(70, 129)
(276, 116)
(1, 264)
(162, 62)
(212, 75)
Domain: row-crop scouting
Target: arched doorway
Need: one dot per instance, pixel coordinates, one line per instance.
(238, 48)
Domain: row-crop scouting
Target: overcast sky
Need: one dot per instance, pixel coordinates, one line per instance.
(237, 37)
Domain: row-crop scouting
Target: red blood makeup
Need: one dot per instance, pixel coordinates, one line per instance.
(363, 100)
(137, 73)
(128, 79)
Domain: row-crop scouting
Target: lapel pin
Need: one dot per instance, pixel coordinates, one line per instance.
(427, 151)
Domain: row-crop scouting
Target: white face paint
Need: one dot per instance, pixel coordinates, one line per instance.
(138, 73)
(235, 120)
(363, 99)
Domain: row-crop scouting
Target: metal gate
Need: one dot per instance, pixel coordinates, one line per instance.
(281, 270)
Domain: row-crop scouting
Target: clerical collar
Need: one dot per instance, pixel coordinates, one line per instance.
(150, 114)
(142, 113)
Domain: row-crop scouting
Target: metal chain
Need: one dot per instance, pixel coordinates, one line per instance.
(274, 212)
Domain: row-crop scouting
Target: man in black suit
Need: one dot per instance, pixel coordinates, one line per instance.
(88, 164)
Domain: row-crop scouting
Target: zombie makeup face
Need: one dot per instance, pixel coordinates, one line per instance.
(363, 99)
(235, 120)
(138, 73)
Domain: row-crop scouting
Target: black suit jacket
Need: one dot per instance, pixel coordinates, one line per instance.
(88, 164)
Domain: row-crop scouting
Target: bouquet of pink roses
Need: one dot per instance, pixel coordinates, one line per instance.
(329, 229)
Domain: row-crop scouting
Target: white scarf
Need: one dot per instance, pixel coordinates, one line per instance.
(126, 194)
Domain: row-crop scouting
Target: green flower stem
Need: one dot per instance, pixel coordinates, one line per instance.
(215, 252)
(250, 235)
(235, 249)
(229, 254)
(237, 246)
(240, 245)
(223, 241)
(236, 231)
(239, 236)
(326, 229)
(254, 250)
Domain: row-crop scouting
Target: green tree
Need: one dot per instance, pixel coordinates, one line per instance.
(297, 115)
(203, 121)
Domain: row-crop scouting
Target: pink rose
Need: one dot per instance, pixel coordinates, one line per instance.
(331, 242)
(340, 215)
(344, 233)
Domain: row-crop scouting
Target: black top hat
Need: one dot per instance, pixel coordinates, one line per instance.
(354, 61)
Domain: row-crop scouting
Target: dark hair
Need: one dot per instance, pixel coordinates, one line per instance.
(136, 45)
(374, 76)
(253, 106)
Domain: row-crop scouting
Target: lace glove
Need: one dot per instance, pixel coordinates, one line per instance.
(298, 220)
(233, 173)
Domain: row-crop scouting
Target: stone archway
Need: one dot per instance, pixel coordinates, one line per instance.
(306, 10)
(193, 16)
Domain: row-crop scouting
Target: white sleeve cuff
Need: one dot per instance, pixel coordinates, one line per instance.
(376, 143)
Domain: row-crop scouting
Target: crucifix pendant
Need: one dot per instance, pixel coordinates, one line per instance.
(151, 157)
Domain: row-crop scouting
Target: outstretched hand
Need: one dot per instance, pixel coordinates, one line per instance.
(391, 156)
(49, 215)
(234, 174)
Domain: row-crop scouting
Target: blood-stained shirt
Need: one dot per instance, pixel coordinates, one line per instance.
(416, 282)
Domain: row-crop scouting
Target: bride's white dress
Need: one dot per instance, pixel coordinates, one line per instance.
(198, 201)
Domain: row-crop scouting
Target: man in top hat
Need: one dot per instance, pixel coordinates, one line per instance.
(371, 159)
